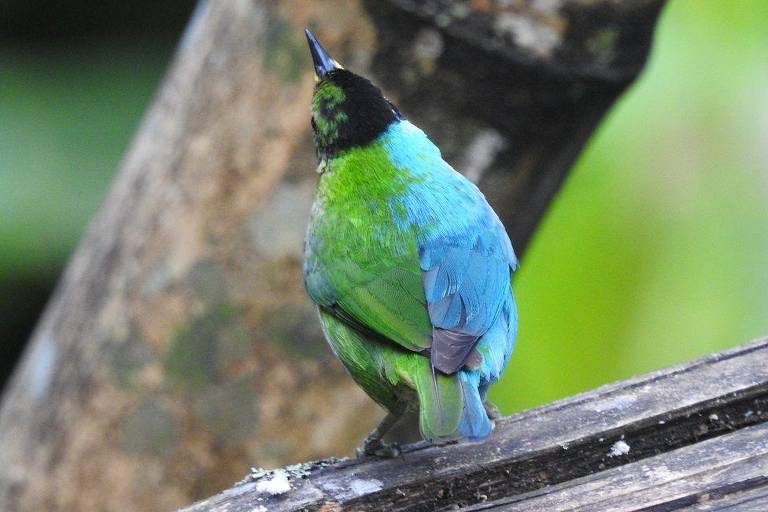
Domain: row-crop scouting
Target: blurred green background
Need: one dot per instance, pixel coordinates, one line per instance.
(652, 254)
(75, 79)
(655, 250)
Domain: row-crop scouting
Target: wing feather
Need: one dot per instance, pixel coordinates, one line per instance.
(466, 278)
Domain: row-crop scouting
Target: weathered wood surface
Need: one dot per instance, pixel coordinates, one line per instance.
(716, 474)
(179, 348)
(672, 439)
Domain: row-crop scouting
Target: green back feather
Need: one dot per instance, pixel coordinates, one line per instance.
(370, 261)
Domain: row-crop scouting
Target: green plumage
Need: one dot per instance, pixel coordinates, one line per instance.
(391, 376)
(372, 263)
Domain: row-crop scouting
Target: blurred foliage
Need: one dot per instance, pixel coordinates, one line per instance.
(651, 255)
(68, 109)
(67, 115)
(654, 252)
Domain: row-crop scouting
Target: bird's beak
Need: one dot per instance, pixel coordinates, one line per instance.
(324, 63)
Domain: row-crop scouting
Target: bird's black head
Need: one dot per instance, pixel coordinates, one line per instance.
(347, 110)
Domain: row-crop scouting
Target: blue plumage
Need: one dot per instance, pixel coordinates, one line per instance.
(464, 252)
(466, 258)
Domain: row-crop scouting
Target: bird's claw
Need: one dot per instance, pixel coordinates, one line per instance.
(491, 410)
(375, 447)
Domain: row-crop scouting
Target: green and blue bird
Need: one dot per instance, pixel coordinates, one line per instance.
(408, 264)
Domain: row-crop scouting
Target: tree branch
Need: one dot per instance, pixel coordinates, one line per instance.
(666, 438)
(511, 91)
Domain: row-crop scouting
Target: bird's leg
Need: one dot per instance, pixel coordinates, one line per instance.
(373, 445)
(491, 410)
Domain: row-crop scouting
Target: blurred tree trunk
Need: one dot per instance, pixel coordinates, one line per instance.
(179, 348)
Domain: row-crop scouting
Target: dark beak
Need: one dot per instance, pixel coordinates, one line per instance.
(324, 63)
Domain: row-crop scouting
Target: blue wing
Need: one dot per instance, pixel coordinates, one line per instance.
(465, 254)
(466, 278)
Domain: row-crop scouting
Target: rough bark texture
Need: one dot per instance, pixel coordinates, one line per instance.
(694, 434)
(179, 348)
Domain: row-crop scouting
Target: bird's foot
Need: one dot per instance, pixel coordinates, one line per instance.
(376, 447)
(491, 410)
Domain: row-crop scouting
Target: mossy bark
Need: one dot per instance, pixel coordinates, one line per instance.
(179, 349)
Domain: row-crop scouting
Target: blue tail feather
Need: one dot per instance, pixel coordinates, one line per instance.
(474, 423)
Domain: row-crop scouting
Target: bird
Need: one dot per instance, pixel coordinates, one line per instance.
(409, 266)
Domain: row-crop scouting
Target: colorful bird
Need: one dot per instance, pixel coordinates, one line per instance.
(408, 264)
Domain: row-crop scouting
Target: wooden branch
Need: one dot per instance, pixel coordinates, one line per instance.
(511, 91)
(676, 437)
(180, 348)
